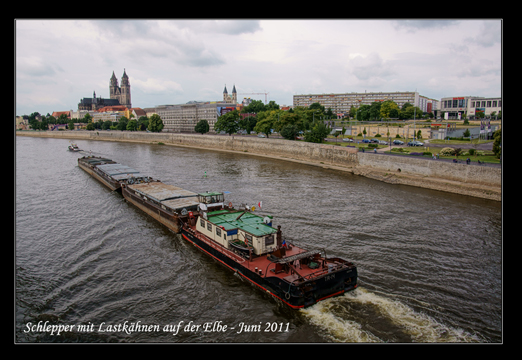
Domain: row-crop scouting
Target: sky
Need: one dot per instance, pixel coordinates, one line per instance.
(58, 62)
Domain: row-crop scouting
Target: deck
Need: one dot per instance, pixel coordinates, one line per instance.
(291, 268)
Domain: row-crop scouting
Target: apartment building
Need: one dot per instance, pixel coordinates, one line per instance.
(342, 103)
(184, 117)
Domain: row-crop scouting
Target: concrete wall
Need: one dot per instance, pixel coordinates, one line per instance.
(339, 156)
(470, 174)
(328, 154)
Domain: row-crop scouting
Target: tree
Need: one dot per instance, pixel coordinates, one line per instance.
(44, 125)
(408, 111)
(363, 113)
(255, 106)
(286, 119)
(228, 123)
(202, 127)
(272, 105)
(70, 125)
(122, 123)
(143, 123)
(155, 123)
(90, 126)
(132, 125)
(266, 122)
(387, 107)
(290, 132)
(51, 119)
(318, 133)
(62, 119)
(497, 143)
(375, 110)
(248, 123)
(316, 106)
(106, 125)
(264, 126)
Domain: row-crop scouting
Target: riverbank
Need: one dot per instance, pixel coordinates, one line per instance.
(476, 181)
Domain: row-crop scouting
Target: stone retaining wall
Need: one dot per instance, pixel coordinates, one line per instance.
(341, 157)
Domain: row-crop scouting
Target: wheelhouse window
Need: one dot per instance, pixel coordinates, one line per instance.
(211, 198)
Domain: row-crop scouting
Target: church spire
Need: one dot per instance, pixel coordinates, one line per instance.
(124, 78)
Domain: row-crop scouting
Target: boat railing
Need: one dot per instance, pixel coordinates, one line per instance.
(330, 266)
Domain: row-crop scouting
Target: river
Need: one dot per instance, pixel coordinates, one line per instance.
(95, 269)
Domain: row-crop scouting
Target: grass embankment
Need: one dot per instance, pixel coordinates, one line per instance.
(480, 155)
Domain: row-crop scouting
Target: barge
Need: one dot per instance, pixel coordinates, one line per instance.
(110, 173)
(242, 241)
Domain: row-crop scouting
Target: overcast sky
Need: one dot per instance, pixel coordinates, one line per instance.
(59, 62)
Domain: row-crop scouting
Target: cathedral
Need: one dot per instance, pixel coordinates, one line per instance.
(119, 95)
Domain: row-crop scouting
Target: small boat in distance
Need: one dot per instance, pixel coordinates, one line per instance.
(74, 147)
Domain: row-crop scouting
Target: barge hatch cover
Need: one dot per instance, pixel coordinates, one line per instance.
(169, 195)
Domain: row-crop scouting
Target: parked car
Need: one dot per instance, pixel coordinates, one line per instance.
(415, 143)
(366, 141)
(398, 142)
(261, 136)
(376, 141)
(382, 142)
(347, 139)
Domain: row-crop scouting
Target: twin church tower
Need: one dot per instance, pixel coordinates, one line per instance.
(119, 95)
(123, 93)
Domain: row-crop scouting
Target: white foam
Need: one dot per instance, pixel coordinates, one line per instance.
(418, 326)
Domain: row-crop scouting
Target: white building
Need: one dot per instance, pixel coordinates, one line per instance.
(470, 106)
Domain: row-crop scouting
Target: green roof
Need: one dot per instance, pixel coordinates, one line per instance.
(248, 222)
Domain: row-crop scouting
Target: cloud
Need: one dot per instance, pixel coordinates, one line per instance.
(371, 67)
(228, 27)
(416, 25)
(489, 35)
(36, 67)
(149, 41)
(156, 86)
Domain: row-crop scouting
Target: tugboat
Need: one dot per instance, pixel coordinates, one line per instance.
(242, 241)
(248, 245)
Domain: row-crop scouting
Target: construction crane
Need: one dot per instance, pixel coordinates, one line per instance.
(265, 93)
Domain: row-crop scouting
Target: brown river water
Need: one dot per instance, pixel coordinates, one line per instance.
(89, 267)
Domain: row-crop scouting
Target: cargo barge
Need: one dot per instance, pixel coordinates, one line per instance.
(110, 173)
(242, 241)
